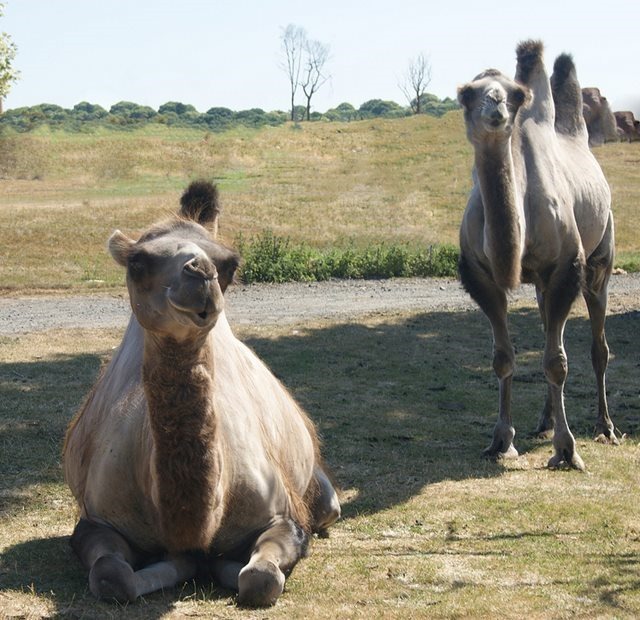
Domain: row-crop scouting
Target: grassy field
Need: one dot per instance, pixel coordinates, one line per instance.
(325, 184)
(405, 405)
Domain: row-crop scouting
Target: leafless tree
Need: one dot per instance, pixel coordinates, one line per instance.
(294, 39)
(316, 55)
(416, 80)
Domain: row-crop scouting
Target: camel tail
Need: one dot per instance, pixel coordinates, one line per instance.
(567, 97)
(200, 203)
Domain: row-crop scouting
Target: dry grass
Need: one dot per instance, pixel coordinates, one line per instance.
(405, 404)
(403, 180)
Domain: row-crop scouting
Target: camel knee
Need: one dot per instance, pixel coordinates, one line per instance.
(556, 369)
(503, 364)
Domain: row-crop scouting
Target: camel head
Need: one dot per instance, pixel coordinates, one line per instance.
(491, 102)
(177, 273)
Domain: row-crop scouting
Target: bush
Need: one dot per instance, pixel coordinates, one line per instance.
(270, 258)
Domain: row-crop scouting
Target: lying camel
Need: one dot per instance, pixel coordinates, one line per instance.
(539, 212)
(188, 454)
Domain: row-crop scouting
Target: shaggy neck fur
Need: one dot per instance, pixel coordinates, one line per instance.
(178, 383)
(503, 239)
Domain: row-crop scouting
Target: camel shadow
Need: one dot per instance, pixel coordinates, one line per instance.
(401, 403)
(407, 403)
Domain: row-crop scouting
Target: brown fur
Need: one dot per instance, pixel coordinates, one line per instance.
(187, 441)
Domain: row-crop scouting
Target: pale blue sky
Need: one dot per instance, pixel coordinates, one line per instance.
(227, 52)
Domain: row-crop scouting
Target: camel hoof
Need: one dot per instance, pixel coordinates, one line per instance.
(560, 461)
(608, 439)
(260, 584)
(495, 455)
(112, 578)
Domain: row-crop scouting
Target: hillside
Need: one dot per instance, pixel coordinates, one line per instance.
(326, 184)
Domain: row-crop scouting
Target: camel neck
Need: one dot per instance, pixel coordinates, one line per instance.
(178, 383)
(498, 188)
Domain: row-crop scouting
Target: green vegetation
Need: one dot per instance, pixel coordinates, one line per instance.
(87, 116)
(368, 198)
(268, 258)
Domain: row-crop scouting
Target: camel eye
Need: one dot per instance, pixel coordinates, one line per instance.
(137, 266)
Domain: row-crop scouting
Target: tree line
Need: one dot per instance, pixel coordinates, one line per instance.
(87, 116)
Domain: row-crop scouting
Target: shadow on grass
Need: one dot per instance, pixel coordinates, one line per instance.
(406, 403)
(401, 403)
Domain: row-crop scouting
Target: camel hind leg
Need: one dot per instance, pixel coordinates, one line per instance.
(595, 293)
(325, 506)
(560, 291)
(111, 562)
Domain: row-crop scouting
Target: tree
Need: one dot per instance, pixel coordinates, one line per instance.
(316, 55)
(416, 80)
(293, 40)
(8, 74)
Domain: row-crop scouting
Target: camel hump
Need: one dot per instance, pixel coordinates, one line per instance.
(199, 202)
(567, 97)
(529, 55)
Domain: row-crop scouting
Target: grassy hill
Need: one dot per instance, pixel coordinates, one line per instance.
(325, 185)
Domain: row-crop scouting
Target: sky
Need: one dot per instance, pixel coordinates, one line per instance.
(227, 53)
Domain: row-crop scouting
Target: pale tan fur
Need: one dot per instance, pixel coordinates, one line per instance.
(540, 212)
(188, 442)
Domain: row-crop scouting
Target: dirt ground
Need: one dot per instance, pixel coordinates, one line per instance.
(281, 304)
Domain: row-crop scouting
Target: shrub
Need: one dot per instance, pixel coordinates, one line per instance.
(270, 258)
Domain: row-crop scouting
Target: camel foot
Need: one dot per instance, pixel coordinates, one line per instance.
(260, 584)
(566, 460)
(606, 434)
(606, 438)
(498, 455)
(112, 578)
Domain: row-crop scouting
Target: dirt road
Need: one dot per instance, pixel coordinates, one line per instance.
(280, 304)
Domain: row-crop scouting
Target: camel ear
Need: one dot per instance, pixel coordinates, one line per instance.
(466, 96)
(120, 247)
(200, 203)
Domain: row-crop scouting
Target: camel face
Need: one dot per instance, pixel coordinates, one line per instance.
(490, 104)
(176, 276)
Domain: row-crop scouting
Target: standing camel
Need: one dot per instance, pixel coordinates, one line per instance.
(539, 212)
(188, 454)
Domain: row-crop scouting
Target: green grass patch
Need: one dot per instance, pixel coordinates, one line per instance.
(271, 258)
(395, 189)
(405, 404)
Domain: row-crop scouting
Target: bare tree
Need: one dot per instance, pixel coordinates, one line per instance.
(8, 74)
(316, 56)
(294, 40)
(416, 81)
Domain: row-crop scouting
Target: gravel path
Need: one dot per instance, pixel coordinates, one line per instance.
(280, 304)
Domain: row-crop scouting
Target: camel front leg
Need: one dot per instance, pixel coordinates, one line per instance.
(273, 556)
(111, 562)
(503, 366)
(493, 302)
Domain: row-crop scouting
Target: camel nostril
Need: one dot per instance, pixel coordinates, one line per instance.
(197, 268)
